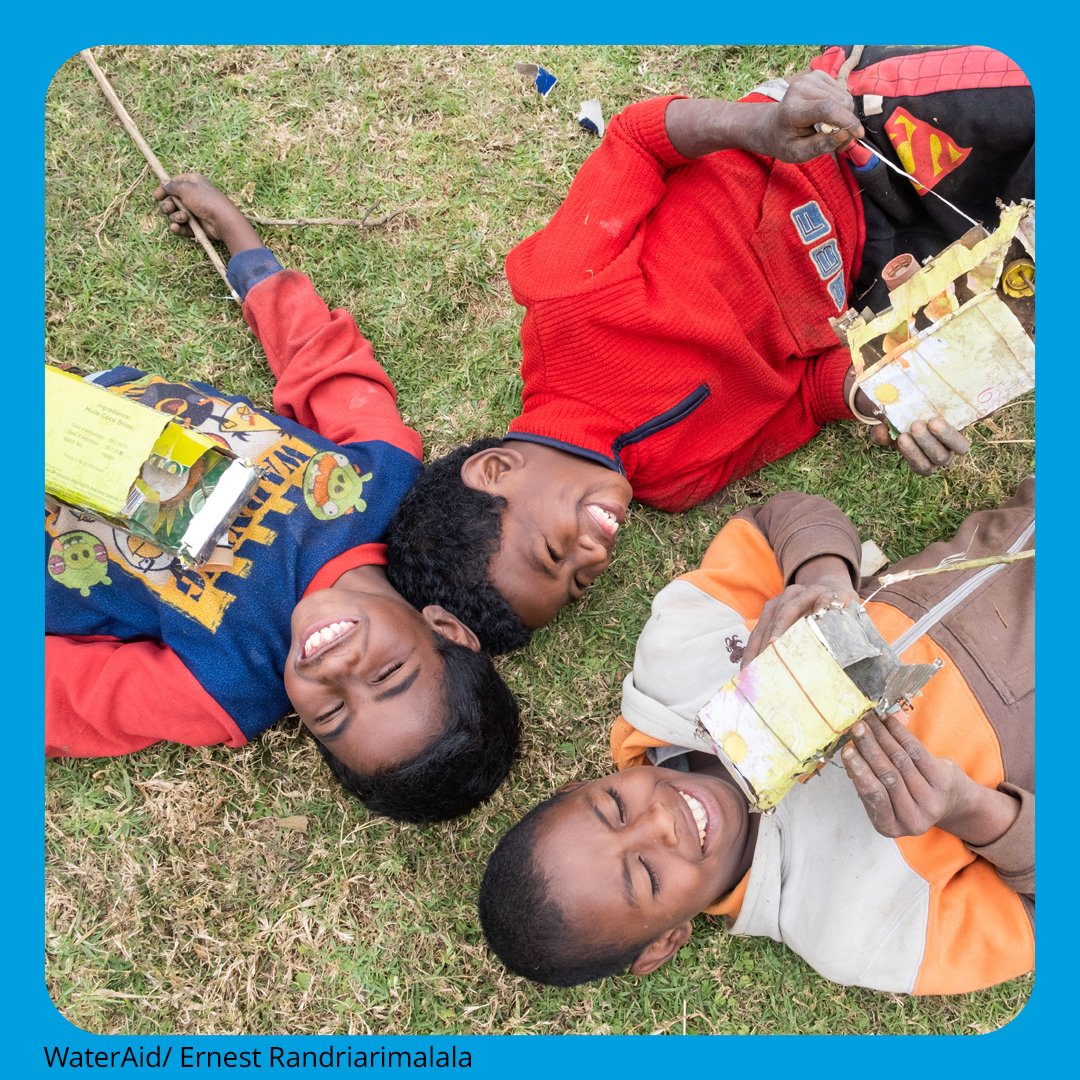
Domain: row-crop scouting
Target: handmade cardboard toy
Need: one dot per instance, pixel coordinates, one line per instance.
(956, 339)
(142, 471)
(786, 713)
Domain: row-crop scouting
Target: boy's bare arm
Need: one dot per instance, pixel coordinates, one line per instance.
(191, 195)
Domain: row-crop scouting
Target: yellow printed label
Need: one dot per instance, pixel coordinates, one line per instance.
(95, 442)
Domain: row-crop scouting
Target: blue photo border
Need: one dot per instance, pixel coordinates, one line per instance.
(30, 1022)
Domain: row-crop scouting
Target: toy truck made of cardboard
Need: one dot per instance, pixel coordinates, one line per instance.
(949, 344)
(788, 711)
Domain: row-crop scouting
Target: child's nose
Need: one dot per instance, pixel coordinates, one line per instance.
(591, 558)
(658, 824)
(339, 664)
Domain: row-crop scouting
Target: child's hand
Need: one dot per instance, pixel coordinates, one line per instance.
(825, 582)
(925, 447)
(193, 196)
(905, 789)
(816, 116)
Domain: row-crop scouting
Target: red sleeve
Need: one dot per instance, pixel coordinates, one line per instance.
(328, 377)
(104, 698)
(613, 192)
(819, 400)
(822, 387)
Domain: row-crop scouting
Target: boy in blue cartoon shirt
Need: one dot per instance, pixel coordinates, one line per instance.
(407, 710)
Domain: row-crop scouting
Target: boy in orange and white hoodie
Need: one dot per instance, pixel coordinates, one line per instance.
(908, 868)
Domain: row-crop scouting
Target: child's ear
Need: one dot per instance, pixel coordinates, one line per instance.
(659, 951)
(487, 468)
(449, 626)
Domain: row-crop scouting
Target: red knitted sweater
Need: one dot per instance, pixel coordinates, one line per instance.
(676, 321)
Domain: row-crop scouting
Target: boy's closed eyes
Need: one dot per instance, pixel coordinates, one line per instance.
(633, 857)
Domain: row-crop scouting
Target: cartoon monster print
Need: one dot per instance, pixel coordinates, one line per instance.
(79, 560)
(141, 553)
(186, 404)
(333, 486)
(735, 648)
(242, 419)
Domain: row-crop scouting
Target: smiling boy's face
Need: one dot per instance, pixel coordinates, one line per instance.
(365, 677)
(559, 526)
(636, 855)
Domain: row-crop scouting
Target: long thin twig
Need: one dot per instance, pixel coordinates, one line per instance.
(159, 171)
(359, 223)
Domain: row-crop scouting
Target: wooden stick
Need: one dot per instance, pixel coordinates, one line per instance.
(159, 171)
(359, 223)
(849, 64)
(966, 564)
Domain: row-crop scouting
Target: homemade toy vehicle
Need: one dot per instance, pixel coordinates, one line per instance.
(788, 711)
(956, 340)
(141, 471)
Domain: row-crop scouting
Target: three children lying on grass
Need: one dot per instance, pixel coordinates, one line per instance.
(676, 336)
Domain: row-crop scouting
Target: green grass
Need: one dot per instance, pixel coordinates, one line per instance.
(177, 901)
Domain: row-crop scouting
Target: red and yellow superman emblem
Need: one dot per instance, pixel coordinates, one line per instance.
(925, 151)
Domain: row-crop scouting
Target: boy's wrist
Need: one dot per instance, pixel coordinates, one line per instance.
(981, 815)
(238, 234)
(700, 126)
(745, 125)
(249, 267)
(859, 405)
(826, 568)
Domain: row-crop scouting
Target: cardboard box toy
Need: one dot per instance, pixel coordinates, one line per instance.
(949, 344)
(141, 470)
(790, 708)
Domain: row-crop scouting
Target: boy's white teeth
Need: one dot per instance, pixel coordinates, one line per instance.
(605, 518)
(701, 818)
(325, 636)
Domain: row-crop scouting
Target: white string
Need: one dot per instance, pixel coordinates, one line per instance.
(908, 176)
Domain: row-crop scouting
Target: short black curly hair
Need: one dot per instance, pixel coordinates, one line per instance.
(524, 924)
(460, 768)
(439, 544)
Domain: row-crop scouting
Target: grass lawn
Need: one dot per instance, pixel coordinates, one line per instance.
(198, 891)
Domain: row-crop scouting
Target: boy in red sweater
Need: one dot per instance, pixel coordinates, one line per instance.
(676, 332)
(405, 708)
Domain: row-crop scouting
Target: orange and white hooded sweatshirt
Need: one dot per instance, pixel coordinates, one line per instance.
(921, 914)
